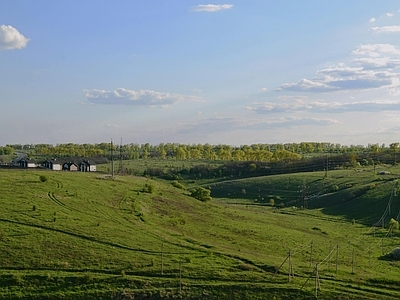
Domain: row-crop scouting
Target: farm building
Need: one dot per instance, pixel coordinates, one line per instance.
(70, 166)
(86, 166)
(52, 164)
(26, 163)
(60, 164)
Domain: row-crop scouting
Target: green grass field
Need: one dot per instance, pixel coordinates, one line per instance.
(87, 236)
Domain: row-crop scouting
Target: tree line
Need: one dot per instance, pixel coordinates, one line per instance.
(256, 152)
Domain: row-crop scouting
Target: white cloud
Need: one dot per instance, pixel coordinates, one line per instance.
(325, 107)
(372, 20)
(375, 50)
(11, 38)
(306, 85)
(224, 124)
(140, 98)
(378, 62)
(342, 78)
(389, 15)
(211, 7)
(386, 29)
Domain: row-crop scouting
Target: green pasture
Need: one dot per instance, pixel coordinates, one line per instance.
(90, 236)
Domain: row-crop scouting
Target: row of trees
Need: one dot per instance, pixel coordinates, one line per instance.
(7, 150)
(254, 152)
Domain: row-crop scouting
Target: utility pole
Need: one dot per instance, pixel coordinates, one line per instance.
(112, 159)
(337, 257)
(120, 158)
(180, 276)
(162, 258)
(326, 166)
(303, 194)
(291, 273)
(317, 282)
(311, 253)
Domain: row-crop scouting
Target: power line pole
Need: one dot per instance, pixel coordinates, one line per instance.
(120, 158)
(112, 159)
(337, 257)
(326, 166)
(303, 194)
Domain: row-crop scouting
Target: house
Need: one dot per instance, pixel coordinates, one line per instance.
(26, 163)
(53, 164)
(70, 166)
(86, 166)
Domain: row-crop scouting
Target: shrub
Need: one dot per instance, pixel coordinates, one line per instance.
(178, 185)
(271, 202)
(201, 194)
(43, 178)
(149, 188)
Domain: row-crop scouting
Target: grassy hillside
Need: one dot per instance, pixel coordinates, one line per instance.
(84, 235)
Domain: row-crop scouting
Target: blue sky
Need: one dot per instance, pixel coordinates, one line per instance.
(236, 72)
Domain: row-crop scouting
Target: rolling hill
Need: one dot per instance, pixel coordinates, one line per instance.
(88, 236)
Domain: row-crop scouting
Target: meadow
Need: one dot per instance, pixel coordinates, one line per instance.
(90, 236)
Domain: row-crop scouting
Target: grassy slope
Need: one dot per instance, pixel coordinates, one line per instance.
(79, 234)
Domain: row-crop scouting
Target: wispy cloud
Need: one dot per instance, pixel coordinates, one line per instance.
(222, 124)
(123, 96)
(373, 71)
(211, 7)
(386, 29)
(11, 38)
(389, 15)
(372, 20)
(376, 50)
(325, 107)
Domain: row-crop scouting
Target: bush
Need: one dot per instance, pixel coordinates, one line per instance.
(149, 188)
(201, 194)
(43, 178)
(178, 185)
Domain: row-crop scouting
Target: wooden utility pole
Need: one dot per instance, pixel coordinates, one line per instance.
(180, 275)
(326, 166)
(303, 194)
(162, 258)
(311, 250)
(317, 282)
(337, 257)
(291, 273)
(112, 159)
(120, 159)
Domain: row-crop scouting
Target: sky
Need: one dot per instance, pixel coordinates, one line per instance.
(174, 71)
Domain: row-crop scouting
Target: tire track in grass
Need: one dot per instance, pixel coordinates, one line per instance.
(57, 201)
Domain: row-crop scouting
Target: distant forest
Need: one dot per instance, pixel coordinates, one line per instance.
(245, 160)
(254, 152)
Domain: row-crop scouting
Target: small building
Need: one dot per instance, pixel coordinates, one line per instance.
(70, 166)
(53, 164)
(26, 163)
(86, 166)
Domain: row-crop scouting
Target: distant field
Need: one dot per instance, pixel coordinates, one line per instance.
(84, 235)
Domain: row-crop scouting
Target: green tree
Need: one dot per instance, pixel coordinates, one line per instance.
(201, 194)
(271, 202)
